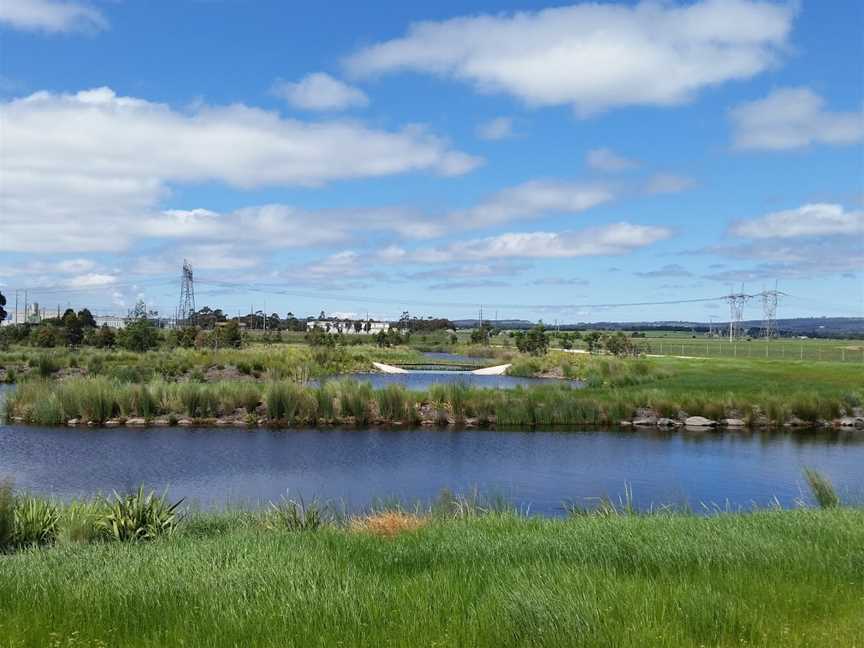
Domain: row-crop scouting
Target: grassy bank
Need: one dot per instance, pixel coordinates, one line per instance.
(760, 393)
(773, 578)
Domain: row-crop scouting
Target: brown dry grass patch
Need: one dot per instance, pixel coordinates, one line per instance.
(388, 524)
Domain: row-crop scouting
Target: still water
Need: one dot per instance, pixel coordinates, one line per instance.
(536, 471)
(425, 379)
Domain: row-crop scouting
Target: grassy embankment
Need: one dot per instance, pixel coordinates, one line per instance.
(453, 578)
(759, 392)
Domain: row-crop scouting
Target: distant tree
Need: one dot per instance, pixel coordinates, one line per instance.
(3, 310)
(358, 325)
(139, 335)
(534, 341)
(620, 345)
(229, 335)
(46, 336)
(86, 318)
(74, 331)
(318, 337)
(104, 338)
(322, 316)
(592, 340)
(481, 334)
(367, 326)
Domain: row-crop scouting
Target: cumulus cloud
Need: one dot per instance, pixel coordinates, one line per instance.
(91, 280)
(820, 219)
(496, 129)
(605, 159)
(792, 118)
(320, 91)
(52, 16)
(86, 166)
(617, 238)
(532, 199)
(593, 56)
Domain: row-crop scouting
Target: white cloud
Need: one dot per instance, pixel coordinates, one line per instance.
(496, 129)
(593, 56)
(791, 118)
(91, 280)
(51, 16)
(617, 238)
(663, 183)
(818, 219)
(320, 91)
(604, 159)
(530, 200)
(87, 166)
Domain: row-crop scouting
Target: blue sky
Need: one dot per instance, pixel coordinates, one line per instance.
(537, 159)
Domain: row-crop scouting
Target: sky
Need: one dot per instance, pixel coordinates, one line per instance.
(555, 162)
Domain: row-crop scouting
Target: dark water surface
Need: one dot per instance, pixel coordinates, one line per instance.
(534, 470)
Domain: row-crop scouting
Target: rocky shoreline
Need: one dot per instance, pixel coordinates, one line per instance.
(431, 417)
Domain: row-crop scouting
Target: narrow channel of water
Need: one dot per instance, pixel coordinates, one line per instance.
(423, 379)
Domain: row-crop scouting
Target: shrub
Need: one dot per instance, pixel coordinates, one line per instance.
(36, 522)
(137, 517)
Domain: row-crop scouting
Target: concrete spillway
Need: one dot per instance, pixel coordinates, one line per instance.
(498, 370)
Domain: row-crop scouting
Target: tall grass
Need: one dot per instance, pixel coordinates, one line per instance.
(479, 580)
(346, 400)
(7, 515)
(822, 489)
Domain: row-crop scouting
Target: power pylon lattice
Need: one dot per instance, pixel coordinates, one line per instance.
(186, 309)
(736, 303)
(770, 299)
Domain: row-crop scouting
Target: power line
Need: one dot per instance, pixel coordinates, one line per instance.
(377, 300)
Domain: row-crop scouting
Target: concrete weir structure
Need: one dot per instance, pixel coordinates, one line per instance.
(498, 370)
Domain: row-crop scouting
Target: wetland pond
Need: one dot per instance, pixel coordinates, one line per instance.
(536, 471)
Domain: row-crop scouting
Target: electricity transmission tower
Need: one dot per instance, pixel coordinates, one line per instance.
(770, 299)
(186, 309)
(736, 303)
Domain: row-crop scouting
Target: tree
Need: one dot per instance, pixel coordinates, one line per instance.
(86, 318)
(104, 338)
(229, 335)
(74, 331)
(139, 335)
(3, 310)
(534, 341)
(482, 334)
(358, 325)
(318, 337)
(592, 341)
(620, 345)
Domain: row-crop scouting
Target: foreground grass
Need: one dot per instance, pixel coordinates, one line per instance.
(772, 578)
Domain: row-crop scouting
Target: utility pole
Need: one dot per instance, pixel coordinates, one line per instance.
(16, 307)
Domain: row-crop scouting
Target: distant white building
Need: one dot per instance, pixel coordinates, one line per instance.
(112, 321)
(348, 327)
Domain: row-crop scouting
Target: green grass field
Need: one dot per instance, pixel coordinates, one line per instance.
(793, 578)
